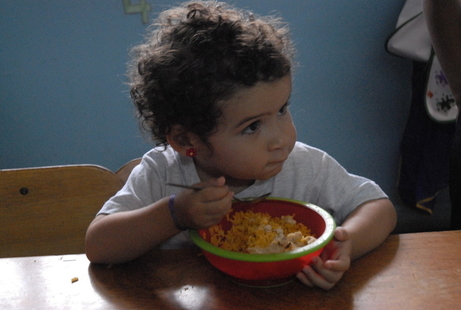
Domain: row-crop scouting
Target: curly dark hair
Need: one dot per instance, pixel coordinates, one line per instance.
(198, 54)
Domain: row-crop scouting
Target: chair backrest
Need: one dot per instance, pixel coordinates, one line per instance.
(46, 210)
(125, 171)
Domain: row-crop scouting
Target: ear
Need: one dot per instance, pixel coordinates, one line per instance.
(180, 139)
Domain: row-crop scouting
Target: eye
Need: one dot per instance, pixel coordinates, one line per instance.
(252, 128)
(283, 110)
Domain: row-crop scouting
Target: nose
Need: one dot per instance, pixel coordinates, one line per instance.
(281, 136)
(277, 141)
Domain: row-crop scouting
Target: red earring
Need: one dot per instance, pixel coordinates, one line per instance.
(191, 152)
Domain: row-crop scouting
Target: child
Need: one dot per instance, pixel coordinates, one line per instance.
(212, 84)
(444, 24)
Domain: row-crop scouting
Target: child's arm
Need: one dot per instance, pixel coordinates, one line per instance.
(444, 24)
(124, 236)
(369, 225)
(363, 230)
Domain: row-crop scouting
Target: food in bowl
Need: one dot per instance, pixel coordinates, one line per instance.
(259, 233)
(269, 269)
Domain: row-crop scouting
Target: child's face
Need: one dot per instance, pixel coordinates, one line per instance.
(255, 134)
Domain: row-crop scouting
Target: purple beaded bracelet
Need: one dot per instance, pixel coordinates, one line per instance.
(173, 213)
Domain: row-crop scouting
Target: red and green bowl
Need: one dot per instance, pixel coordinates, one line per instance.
(265, 270)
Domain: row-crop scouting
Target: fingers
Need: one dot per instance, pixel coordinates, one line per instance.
(329, 275)
(214, 182)
(318, 275)
(206, 207)
(327, 269)
(311, 279)
(214, 189)
(341, 234)
(302, 276)
(217, 181)
(340, 265)
(339, 247)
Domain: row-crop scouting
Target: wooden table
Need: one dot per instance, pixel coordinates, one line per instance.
(409, 271)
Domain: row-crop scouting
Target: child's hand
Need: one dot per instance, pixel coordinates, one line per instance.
(329, 268)
(206, 207)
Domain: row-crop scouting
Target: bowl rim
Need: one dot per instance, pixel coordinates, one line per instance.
(318, 244)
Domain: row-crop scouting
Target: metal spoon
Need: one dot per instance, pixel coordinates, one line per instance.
(252, 200)
(243, 200)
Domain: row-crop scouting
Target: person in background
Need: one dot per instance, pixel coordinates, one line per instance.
(212, 86)
(443, 19)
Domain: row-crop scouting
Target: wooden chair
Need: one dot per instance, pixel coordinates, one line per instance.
(124, 171)
(46, 210)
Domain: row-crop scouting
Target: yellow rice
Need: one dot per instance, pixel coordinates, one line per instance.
(256, 232)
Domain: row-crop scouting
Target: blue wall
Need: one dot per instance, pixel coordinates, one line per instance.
(63, 99)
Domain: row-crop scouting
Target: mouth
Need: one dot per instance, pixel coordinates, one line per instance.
(276, 163)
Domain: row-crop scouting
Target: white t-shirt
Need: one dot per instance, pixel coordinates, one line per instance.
(308, 175)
